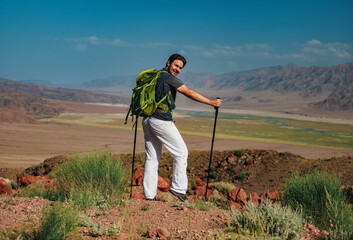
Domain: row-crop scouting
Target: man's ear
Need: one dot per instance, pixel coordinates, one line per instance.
(168, 63)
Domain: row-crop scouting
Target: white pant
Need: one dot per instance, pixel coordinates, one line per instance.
(160, 133)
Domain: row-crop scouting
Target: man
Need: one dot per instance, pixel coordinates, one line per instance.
(159, 130)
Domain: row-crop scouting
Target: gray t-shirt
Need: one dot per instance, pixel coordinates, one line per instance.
(167, 82)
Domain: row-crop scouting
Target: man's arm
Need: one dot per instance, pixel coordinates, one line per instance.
(192, 94)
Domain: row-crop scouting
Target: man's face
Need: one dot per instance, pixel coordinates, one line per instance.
(175, 67)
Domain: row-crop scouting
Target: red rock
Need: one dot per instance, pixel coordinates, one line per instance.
(137, 177)
(163, 184)
(238, 195)
(5, 181)
(4, 189)
(149, 234)
(249, 162)
(201, 191)
(273, 195)
(313, 233)
(199, 182)
(262, 196)
(235, 205)
(138, 195)
(138, 181)
(162, 233)
(255, 198)
(27, 180)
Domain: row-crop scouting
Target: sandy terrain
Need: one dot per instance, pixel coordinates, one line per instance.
(23, 145)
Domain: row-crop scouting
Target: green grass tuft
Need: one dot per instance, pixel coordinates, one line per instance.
(93, 180)
(58, 222)
(223, 187)
(268, 221)
(322, 201)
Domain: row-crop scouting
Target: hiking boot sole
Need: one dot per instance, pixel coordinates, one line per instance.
(181, 196)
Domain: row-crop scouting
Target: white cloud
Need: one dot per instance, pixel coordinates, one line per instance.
(259, 49)
(317, 49)
(93, 39)
(314, 42)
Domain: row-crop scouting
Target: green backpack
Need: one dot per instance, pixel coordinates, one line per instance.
(143, 101)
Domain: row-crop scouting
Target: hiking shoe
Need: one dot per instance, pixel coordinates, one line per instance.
(150, 199)
(181, 196)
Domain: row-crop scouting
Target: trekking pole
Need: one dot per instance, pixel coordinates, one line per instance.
(133, 157)
(209, 166)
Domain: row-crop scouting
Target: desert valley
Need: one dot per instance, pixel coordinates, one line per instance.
(284, 119)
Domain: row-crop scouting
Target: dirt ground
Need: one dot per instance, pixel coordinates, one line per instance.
(23, 145)
(137, 218)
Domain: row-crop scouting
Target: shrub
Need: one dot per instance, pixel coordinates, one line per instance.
(95, 179)
(267, 220)
(58, 222)
(192, 184)
(320, 197)
(40, 191)
(223, 187)
(219, 201)
(242, 176)
(239, 153)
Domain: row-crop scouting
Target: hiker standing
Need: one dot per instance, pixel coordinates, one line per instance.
(160, 130)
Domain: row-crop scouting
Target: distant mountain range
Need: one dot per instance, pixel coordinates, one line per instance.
(124, 83)
(289, 78)
(21, 101)
(74, 95)
(333, 85)
(335, 82)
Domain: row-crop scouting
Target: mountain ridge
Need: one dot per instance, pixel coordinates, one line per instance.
(323, 88)
(66, 94)
(334, 83)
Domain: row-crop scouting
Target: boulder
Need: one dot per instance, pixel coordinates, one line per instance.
(162, 233)
(255, 198)
(232, 159)
(238, 195)
(149, 233)
(273, 195)
(163, 184)
(200, 192)
(137, 178)
(28, 180)
(263, 196)
(5, 181)
(235, 205)
(4, 189)
(199, 182)
(311, 232)
(138, 195)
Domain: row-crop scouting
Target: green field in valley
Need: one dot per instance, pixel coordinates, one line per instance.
(268, 129)
(235, 126)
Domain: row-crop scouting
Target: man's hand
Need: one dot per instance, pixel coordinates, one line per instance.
(216, 102)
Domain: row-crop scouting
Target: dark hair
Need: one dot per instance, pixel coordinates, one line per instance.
(176, 57)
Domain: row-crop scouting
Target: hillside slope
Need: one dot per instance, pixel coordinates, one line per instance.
(74, 95)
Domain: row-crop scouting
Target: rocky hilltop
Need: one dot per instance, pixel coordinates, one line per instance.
(334, 84)
(74, 95)
(24, 102)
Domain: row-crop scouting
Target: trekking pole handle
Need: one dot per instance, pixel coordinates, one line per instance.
(217, 107)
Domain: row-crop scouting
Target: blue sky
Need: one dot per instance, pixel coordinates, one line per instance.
(75, 41)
